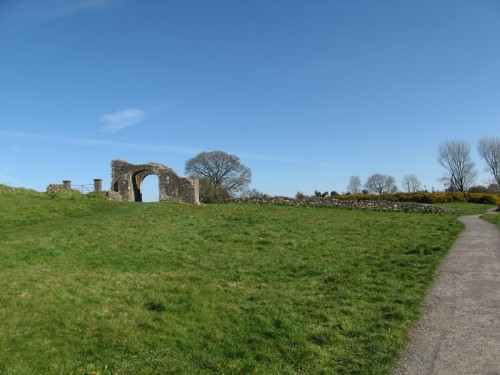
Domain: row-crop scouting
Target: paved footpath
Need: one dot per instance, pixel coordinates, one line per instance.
(459, 331)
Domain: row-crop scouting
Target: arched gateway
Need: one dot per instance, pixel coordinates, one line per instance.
(127, 178)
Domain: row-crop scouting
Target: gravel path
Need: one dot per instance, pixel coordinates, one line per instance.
(459, 331)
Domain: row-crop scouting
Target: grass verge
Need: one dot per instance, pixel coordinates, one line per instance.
(493, 217)
(460, 208)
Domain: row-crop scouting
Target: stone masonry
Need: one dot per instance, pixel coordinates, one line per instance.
(126, 179)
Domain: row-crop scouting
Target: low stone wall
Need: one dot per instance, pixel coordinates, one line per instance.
(351, 204)
(53, 188)
(113, 195)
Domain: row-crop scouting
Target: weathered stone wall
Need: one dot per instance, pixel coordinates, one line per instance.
(127, 179)
(113, 195)
(53, 188)
(352, 204)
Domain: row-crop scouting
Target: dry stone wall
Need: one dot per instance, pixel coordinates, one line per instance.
(53, 188)
(351, 204)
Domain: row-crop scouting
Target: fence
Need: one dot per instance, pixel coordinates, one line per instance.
(84, 189)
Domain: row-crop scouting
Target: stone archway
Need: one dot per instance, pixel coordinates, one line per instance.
(147, 187)
(137, 180)
(127, 180)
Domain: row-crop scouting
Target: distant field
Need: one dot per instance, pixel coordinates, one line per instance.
(165, 288)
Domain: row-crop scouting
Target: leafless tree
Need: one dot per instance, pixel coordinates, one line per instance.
(455, 157)
(477, 189)
(221, 175)
(381, 184)
(411, 183)
(494, 188)
(251, 193)
(354, 185)
(489, 149)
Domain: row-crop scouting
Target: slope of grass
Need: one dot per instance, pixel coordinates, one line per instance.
(493, 217)
(124, 288)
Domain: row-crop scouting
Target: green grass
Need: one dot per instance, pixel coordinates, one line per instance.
(126, 288)
(493, 217)
(461, 208)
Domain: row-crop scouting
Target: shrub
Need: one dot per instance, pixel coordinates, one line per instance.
(299, 195)
(426, 197)
(484, 198)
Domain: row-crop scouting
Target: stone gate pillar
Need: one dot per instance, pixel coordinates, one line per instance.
(97, 185)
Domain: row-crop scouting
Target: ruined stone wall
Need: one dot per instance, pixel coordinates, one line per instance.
(53, 188)
(127, 178)
(351, 204)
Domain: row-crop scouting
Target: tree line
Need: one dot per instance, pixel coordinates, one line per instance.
(223, 176)
(459, 175)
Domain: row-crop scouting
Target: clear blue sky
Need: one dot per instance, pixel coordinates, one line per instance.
(306, 93)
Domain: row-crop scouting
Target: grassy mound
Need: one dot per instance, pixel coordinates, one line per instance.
(4, 189)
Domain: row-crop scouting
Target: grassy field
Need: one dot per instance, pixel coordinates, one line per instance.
(125, 288)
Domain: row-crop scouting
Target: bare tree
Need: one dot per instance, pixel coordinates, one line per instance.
(221, 175)
(252, 193)
(381, 184)
(411, 183)
(477, 189)
(455, 157)
(489, 149)
(494, 188)
(354, 186)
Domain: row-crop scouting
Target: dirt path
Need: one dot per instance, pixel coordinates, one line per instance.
(459, 331)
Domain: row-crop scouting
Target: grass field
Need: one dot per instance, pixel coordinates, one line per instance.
(89, 285)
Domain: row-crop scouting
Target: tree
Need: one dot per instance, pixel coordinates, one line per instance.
(319, 194)
(381, 184)
(493, 188)
(411, 183)
(300, 195)
(252, 193)
(489, 149)
(477, 189)
(221, 175)
(455, 157)
(354, 185)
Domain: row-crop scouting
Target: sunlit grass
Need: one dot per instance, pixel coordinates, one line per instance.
(466, 208)
(91, 285)
(492, 217)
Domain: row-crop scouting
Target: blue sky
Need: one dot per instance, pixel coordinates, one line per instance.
(306, 93)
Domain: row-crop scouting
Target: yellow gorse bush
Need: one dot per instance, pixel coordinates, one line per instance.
(422, 197)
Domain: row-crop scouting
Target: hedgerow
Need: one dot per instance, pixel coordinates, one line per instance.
(422, 197)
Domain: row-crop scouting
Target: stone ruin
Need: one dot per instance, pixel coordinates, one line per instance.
(126, 179)
(126, 183)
